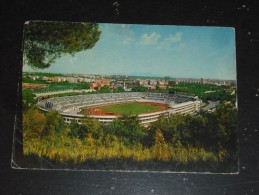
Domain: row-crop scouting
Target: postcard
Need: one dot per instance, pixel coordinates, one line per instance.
(127, 97)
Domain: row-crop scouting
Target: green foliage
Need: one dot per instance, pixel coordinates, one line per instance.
(132, 129)
(127, 129)
(66, 94)
(55, 124)
(37, 81)
(105, 89)
(90, 126)
(66, 85)
(27, 99)
(56, 86)
(219, 95)
(118, 90)
(209, 130)
(33, 124)
(74, 129)
(226, 119)
(42, 74)
(139, 89)
(158, 90)
(160, 149)
(53, 86)
(206, 138)
(46, 41)
(216, 92)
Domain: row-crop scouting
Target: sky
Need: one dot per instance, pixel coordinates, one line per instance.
(155, 50)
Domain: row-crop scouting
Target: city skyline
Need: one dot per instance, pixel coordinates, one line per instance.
(155, 51)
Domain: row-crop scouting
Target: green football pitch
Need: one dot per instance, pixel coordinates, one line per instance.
(130, 108)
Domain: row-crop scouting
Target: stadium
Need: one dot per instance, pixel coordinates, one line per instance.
(108, 106)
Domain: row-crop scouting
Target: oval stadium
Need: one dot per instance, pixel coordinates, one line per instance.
(108, 106)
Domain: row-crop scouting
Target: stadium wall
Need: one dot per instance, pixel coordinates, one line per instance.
(69, 107)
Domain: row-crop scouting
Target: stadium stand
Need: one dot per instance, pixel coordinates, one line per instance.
(70, 106)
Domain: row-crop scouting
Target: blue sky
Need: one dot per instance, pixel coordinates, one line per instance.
(156, 50)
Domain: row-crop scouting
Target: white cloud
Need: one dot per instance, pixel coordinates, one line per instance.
(150, 39)
(127, 41)
(172, 42)
(177, 37)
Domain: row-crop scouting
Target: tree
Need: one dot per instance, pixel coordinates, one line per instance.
(91, 126)
(46, 41)
(160, 149)
(27, 99)
(159, 138)
(134, 131)
(33, 124)
(129, 129)
(55, 124)
(226, 115)
(139, 89)
(74, 129)
(105, 89)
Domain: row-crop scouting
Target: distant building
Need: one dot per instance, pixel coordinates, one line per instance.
(95, 86)
(80, 79)
(172, 82)
(59, 79)
(86, 80)
(100, 83)
(112, 87)
(33, 78)
(162, 86)
(152, 82)
(143, 82)
(161, 83)
(125, 88)
(72, 80)
(150, 87)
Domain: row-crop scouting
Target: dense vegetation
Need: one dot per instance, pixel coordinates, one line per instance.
(27, 99)
(42, 74)
(106, 89)
(139, 89)
(144, 89)
(57, 86)
(203, 91)
(205, 142)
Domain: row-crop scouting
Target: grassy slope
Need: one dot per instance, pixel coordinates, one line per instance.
(130, 109)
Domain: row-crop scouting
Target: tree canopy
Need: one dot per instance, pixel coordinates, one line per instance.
(46, 41)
